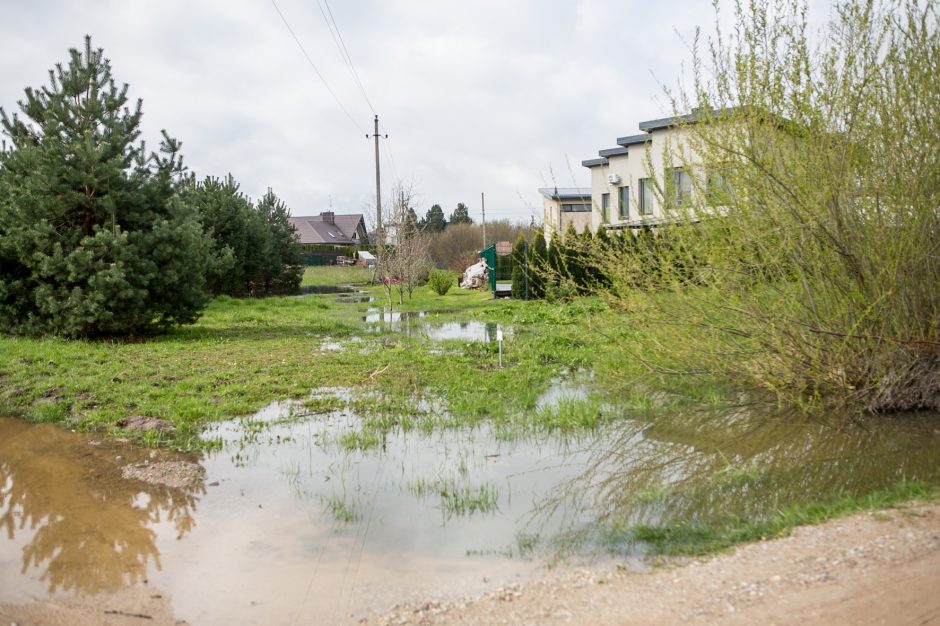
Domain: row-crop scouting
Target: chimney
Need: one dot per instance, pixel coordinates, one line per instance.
(328, 217)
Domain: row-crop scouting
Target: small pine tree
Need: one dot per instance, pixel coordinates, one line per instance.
(283, 267)
(538, 264)
(93, 238)
(520, 269)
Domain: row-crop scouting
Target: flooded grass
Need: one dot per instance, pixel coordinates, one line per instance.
(408, 445)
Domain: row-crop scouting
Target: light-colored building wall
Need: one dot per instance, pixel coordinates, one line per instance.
(646, 159)
(556, 219)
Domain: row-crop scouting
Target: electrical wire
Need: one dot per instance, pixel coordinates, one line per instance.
(315, 69)
(333, 27)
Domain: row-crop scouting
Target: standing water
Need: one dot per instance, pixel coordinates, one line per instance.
(314, 518)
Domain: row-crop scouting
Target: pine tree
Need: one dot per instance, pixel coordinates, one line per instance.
(538, 262)
(461, 215)
(283, 268)
(434, 221)
(520, 269)
(228, 218)
(93, 238)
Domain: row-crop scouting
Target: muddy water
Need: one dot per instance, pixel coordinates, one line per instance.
(289, 525)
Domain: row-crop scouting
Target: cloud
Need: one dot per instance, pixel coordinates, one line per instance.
(480, 95)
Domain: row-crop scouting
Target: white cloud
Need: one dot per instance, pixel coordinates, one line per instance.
(481, 95)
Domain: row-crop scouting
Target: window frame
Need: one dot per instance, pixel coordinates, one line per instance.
(646, 196)
(623, 202)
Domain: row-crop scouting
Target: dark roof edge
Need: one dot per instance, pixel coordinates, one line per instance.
(631, 140)
(594, 162)
(609, 152)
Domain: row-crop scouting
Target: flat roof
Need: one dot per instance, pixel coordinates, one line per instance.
(566, 193)
(666, 122)
(594, 162)
(609, 152)
(631, 140)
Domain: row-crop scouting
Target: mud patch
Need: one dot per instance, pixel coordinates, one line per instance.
(173, 474)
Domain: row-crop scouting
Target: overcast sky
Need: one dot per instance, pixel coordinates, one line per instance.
(476, 95)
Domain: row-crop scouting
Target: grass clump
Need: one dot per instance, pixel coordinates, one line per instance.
(697, 538)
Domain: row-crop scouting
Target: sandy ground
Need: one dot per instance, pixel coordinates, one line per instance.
(874, 568)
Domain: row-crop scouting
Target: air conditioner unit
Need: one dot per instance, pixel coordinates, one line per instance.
(613, 179)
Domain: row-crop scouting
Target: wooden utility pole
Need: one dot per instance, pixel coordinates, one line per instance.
(483, 209)
(379, 233)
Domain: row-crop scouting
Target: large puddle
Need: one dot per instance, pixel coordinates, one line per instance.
(422, 324)
(305, 516)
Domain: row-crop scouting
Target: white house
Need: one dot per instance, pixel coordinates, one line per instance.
(623, 179)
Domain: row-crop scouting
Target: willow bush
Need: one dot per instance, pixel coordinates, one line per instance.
(808, 261)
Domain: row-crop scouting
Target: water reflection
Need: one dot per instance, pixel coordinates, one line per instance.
(743, 462)
(78, 525)
(407, 323)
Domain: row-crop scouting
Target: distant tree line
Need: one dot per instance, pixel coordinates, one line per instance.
(101, 237)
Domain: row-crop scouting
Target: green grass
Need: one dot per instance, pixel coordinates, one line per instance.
(246, 353)
(330, 275)
(692, 538)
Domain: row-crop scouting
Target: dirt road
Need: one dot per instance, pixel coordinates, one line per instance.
(876, 568)
(873, 568)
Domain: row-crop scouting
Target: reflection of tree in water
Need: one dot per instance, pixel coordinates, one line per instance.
(91, 528)
(707, 466)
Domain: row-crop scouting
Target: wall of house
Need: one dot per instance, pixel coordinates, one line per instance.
(634, 166)
(556, 221)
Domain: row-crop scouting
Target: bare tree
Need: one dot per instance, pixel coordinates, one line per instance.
(403, 260)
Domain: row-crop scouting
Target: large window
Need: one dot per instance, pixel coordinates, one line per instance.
(576, 208)
(605, 207)
(679, 186)
(646, 196)
(624, 203)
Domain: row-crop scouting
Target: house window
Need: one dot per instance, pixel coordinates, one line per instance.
(624, 203)
(679, 188)
(576, 208)
(717, 189)
(646, 196)
(605, 207)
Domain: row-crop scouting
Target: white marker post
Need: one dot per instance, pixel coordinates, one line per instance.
(499, 340)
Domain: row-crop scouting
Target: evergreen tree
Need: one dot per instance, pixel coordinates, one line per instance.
(520, 269)
(571, 255)
(238, 241)
(434, 220)
(461, 215)
(93, 238)
(538, 262)
(283, 267)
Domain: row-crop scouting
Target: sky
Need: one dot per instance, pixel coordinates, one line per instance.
(500, 97)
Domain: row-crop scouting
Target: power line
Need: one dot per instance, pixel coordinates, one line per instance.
(314, 66)
(343, 50)
(391, 157)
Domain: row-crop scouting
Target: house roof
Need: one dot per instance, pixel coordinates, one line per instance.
(594, 162)
(631, 140)
(566, 193)
(341, 230)
(609, 152)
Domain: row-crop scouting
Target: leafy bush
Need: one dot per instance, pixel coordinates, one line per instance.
(440, 281)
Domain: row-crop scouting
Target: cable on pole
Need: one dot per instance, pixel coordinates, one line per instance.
(333, 27)
(314, 66)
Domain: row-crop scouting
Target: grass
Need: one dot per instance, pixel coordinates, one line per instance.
(692, 538)
(458, 499)
(336, 275)
(245, 353)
